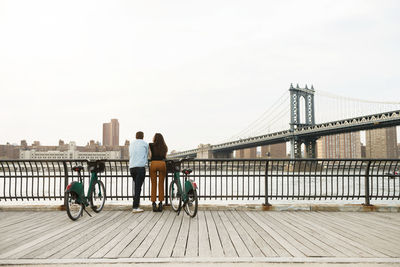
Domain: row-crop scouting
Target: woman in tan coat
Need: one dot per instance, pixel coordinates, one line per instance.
(158, 150)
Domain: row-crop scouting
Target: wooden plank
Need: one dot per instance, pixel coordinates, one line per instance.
(370, 223)
(69, 239)
(121, 233)
(292, 248)
(180, 243)
(392, 216)
(82, 235)
(293, 227)
(155, 248)
(303, 245)
(104, 236)
(25, 224)
(10, 215)
(166, 250)
(319, 239)
(251, 246)
(192, 249)
(29, 237)
(204, 242)
(360, 249)
(32, 234)
(43, 240)
(152, 237)
(331, 236)
(376, 216)
(229, 249)
(19, 217)
(133, 230)
(130, 249)
(258, 240)
(369, 228)
(215, 242)
(237, 241)
(363, 236)
(273, 247)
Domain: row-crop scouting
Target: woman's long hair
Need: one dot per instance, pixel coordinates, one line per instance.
(159, 144)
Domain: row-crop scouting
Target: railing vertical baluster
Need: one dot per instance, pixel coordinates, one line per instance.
(166, 188)
(65, 181)
(367, 193)
(266, 203)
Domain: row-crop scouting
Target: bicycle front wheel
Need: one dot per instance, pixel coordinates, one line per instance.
(175, 196)
(74, 209)
(192, 204)
(98, 196)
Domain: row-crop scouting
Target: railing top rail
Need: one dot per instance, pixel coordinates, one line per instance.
(219, 159)
(286, 159)
(44, 160)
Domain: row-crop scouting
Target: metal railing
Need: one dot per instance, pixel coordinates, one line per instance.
(218, 179)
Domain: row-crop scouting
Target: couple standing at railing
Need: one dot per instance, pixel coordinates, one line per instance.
(139, 154)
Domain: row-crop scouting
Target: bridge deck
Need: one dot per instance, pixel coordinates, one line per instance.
(213, 234)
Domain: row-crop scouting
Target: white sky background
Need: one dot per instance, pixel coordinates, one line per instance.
(196, 71)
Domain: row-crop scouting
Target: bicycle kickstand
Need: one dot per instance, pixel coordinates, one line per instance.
(179, 211)
(87, 211)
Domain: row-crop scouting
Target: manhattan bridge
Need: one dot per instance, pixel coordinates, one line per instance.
(310, 114)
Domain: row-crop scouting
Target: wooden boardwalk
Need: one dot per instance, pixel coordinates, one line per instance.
(52, 235)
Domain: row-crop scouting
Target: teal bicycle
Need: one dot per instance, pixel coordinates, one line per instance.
(182, 197)
(75, 199)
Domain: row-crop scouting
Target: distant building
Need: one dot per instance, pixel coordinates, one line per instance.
(246, 153)
(274, 151)
(9, 151)
(111, 133)
(71, 153)
(344, 145)
(363, 151)
(398, 150)
(381, 143)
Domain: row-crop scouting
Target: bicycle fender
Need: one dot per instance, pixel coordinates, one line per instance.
(188, 186)
(75, 187)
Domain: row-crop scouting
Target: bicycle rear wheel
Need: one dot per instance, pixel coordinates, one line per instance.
(192, 204)
(74, 209)
(98, 196)
(175, 196)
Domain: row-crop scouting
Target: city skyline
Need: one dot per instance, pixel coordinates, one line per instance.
(197, 73)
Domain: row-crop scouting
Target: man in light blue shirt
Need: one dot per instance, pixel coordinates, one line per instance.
(138, 154)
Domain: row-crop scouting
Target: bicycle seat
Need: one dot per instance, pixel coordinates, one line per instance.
(77, 168)
(186, 171)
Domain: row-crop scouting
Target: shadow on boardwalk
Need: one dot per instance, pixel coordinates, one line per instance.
(213, 236)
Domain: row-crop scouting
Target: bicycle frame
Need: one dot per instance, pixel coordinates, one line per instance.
(188, 185)
(78, 188)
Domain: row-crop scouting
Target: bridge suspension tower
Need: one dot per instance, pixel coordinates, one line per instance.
(295, 120)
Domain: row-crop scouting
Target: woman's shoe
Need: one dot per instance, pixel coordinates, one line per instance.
(160, 206)
(154, 207)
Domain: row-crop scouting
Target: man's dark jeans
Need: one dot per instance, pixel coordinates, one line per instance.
(138, 174)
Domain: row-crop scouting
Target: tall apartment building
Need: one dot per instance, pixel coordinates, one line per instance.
(381, 143)
(345, 145)
(111, 133)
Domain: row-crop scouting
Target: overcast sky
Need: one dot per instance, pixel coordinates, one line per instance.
(196, 71)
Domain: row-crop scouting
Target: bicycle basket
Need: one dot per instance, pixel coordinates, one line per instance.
(96, 166)
(173, 166)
